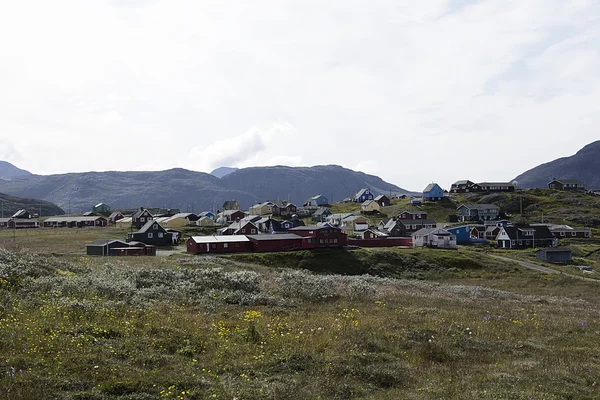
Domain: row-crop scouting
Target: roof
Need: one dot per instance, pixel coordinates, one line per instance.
(567, 181)
(430, 187)
(138, 213)
(413, 212)
(311, 228)
(322, 210)
(115, 213)
(366, 203)
(361, 192)
(20, 212)
(275, 236)
(381, 196)
(435, 231)
(73, 219)
(417, 221)
(99, 204)
(495, 184)
(463, 182)
(104, 242)
(480, 206)
(147, 226)
(220, 239)
(554, 250)
(540, 232)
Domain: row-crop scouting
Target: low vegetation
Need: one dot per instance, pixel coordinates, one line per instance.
(266, 327)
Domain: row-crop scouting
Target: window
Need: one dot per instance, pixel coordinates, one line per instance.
(155, 226)
(562, 234)
(160, 234)
(225, 245)
(252, 231)
(512, 242)
(142, 219)
(335, 240)
(573, 233)
(150, 235)
(321, 241)
(520, 242)
(213, 245)
(587, 234)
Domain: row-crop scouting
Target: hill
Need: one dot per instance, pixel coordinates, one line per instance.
(584, 166)
(7, 170)
(190, 190)
(222, 171)
(11, 204)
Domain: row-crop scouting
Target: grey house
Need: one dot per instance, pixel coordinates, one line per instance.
(554, 255)
(478, 212)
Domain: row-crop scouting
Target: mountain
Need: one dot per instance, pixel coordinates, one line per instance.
(583, 166)
(222, 171)
(7, 170)
(10, 205)
(189, 190)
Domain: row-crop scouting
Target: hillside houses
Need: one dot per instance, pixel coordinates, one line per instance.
(317, 201)
(363, 195)
(524, 236)
(466, 186)
(566, 184)
(478, 212)
(433, 192)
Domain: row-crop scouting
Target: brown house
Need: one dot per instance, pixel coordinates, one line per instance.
(382, 200)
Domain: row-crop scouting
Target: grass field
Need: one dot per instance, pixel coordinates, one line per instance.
(364, 324)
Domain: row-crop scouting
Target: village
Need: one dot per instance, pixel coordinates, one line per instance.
(277, 226)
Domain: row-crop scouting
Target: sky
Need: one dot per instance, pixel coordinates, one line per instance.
(412, 91)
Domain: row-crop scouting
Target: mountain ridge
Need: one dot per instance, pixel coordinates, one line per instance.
(584, 165)
(192, 190)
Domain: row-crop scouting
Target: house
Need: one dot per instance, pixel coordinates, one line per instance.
(265, 208)
(318, 200)
(555, 255)
(566, 232)
(416, 224)
(478, 212)
(15, 223)
(141, 217)
(321, 214)
(229, 216)
(115, 216)
(104, 247)
(135, 249)
(355, 223)
(382, 200)
(336, 219)
(434, 237)
(179, 220)
(151, 233)
(89, 214)
(393, 228)
(369, 207)
(479, 231)
(363, 195)
(412, 215)
(283, 208)
(372, 234)
(276, 242)
(464, 186)
(492, 231)
(124, 223)
(523, 236)
(320, 236)
(75, 222)
(433, 192)
(462, 233)
(218, 244)
(239, 228)
(101, 208)
(566, 184)
(22, 214)
(208, 214)
(492, 187)
(205, 221)
(231, 205)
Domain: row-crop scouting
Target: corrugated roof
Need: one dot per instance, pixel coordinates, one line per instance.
(276, 236)
(220, 239)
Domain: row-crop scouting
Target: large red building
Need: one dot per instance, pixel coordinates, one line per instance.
(275, 242)
(219, 244)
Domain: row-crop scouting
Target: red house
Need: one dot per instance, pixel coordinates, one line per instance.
(275, 242)
(320, 236)
(218, 244)
(412, 215)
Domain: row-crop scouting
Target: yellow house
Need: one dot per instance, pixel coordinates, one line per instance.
(355, 223)
(370, 207)
(123, 222)
(265, 208)
(205, 221)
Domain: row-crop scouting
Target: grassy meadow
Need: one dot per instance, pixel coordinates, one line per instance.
(361, 324)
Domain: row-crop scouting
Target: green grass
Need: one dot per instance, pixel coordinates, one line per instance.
(364, 324)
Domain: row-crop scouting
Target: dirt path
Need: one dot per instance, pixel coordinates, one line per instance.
(539, 268)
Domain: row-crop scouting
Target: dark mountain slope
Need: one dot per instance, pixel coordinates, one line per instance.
(189, 190)
(10, 205)
(584, 166)
(7, 170)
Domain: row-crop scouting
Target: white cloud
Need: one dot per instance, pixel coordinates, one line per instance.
(200, 84)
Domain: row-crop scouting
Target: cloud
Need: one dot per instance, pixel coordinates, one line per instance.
(487, 88)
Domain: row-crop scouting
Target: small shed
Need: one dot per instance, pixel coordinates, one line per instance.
(554, 255)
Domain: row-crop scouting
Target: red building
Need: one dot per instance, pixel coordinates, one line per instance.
(275, 242)
(219, 244)
(412, 215)
(570, 233)
(320, 236)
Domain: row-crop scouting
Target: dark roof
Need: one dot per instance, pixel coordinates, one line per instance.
(230, 203)
(19, 213)
(480, 206)
(464, 182)
(104, 242)
(139, 212)
(540, 232)
(147, 226)
(567, 181)
(555, 250)
(311, 228)
(495, 184)
(275, 236)
(417, 221)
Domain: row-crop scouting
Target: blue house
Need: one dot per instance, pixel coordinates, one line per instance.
(318, 200)
(363, 195)
(433, 192)
(462, 233)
